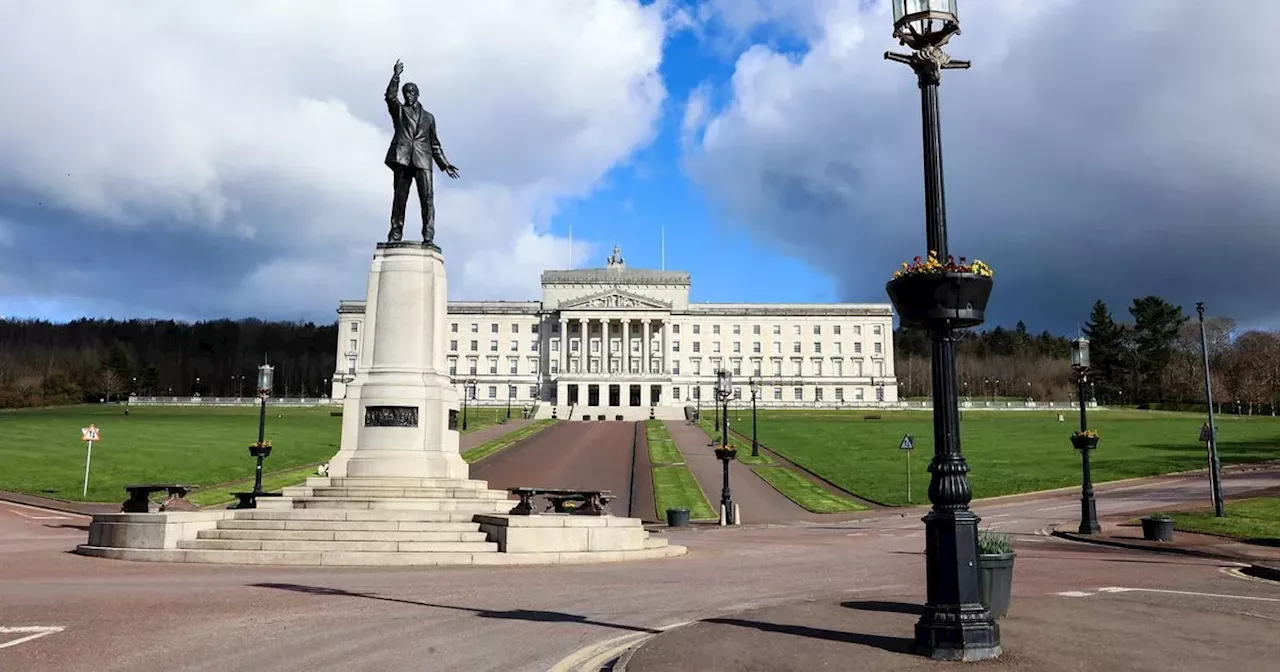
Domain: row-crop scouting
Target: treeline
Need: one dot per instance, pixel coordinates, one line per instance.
(1152, 360)
(45, 364)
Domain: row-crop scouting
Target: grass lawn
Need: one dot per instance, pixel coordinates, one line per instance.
(675, 488)
(271, 482)
(1251, 520)
(505, 441)
(708, 425)
(42, 453)
(1008, 452)
(662, 450)
(802, 491)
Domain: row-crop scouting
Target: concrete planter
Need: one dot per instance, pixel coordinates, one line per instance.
(677, 517)
(995, 582)
(1157, 529)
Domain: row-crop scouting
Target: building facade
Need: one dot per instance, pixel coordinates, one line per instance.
(621, 341)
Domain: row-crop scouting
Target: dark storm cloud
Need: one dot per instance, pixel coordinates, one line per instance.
(1094, 150)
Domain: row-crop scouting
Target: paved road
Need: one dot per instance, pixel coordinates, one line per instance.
(568, 455)
(138, 616)
(472, 439)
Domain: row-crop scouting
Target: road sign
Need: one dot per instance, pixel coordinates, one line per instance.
(1205, 434)
(89, 433)
(908, 443)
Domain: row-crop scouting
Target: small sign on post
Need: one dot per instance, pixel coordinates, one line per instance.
(908, 445)
(89, 435)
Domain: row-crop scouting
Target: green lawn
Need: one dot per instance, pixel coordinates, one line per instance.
(271, 482)
(1008, 452)
(1253, 520)
(708, 425)
(675, 488)
(662, 450)
(505, 441)
(802, 491)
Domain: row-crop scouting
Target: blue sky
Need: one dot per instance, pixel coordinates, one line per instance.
(192, 163)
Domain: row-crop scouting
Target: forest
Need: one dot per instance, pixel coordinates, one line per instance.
(1149, 358)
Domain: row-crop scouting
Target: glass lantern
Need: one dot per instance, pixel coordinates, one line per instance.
(925, 23)
(266, 376)
(755, 386)
(1080, 353)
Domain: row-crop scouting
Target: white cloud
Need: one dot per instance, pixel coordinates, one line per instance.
(1093, 150)
(264, 120)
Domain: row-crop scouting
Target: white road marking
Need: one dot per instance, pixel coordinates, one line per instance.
(1074, 593)
(31, 631)
(1034, 540)
(1254, 598)
(31, 517)
(63, 514)
(997, 515)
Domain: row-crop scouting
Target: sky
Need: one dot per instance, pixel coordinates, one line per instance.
(205, 160)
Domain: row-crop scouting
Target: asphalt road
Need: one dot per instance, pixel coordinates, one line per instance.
(69, 613)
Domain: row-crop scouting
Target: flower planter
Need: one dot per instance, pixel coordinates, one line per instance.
(1084, 442)
(677, 517)
(939, 299)
(723, 454)
(1157, 529)
(256, 450)
(995, 582)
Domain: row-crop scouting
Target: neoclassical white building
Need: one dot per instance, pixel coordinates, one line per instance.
(617, 341)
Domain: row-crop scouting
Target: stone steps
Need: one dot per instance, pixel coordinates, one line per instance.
(462, 525)
(472, 535)
(413, 493)
(356, 515)
(369, 559)
(460, 504)
(447, 483)
(460, 547)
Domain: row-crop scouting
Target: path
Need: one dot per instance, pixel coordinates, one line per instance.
(472, 439)
(757, 501)
(218, 618)
(567, 455)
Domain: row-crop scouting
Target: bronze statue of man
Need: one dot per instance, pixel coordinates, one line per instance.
(413, 147)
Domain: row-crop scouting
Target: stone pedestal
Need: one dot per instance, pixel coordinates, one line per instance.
(399, 418)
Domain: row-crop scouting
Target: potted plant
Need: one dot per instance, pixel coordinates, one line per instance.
(1157, 527)
(995, 571)
(1086, 440)
(930, 291)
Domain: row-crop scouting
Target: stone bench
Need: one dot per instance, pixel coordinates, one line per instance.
(593, 502)
(139, 500)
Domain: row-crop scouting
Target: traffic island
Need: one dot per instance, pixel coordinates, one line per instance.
(1130, 535)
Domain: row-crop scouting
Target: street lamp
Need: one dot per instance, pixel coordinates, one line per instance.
(725, 453)
(1084, 440)
(261, 449)
(954, 624)
(1215, 466)
(755, 391)
(511, 392)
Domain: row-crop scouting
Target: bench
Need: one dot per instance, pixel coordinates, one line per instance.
(592, 502)
(140, 497)
(249, 500)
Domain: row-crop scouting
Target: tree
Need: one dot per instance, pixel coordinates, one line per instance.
(1155, 335)
(1107, 354)
(110, 384)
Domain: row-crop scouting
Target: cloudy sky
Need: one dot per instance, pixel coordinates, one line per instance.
(198, 160)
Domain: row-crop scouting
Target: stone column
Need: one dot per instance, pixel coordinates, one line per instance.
(564, 345)
(626, 345)
(645, 352)
(666, 345)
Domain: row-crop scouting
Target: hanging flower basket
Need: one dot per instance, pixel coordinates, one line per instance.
(1086, 440)
(726, 453)
(263, 449)
(928, 293)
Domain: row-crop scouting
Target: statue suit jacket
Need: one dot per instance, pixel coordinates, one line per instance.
(414, 143)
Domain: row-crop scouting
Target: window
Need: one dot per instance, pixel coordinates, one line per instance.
(351, 365)
(817, 394)
(573, 345)
(697, 329)
(817, 348)
(511, 391)
(512, 365)
(798, 394)
(675, 328)
(453, 328)
(493, 366)
(840, 394)
(615, 346)
(453, 346)
(675, 393)
(879, 348)
(697, 346)
(777, 367)
(857, 348)
(737, 346)
(755, 367)
(857, 330)
(795, 347)
(475, 346)
(533, 328)
(352, 345)
(697, 366)
(515, 329)
(879, 394)
(472, 363)
(876, 330)
(857, 367)
(595, 345)
(836, 330)
(879, 367)
(493, 328)
(755, 329)
(777, 348)
(755, 347)
(737, 393)
(835, 347)
(555, 345)
(817, 330)
(355, 327)
(493, 391)
(777, 330)
(555, 366)
(493, 346)
(675, 367)
(737, 329)
(795, 329)
(533, 345)
(716, 363)
(715, 330)
(857, 394)
(817, 367)
(697, 392)
(533, 392)
(837, 367)
(796, 366)
(475, 328)
(777, 394)
(737, 367)
(515, 345)
(675, 346)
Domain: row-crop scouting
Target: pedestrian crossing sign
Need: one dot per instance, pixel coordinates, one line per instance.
(908, 443)
(89, 433)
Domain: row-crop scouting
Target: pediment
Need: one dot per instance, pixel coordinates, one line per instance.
(614, 299)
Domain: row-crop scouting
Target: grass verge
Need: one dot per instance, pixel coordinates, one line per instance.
(662, 450)
(1254, 521)
(804, 492)
(743, 445)
(674, 487)
(505, 441)
(272, 482)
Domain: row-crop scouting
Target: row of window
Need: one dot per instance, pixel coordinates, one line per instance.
(615, 346)
(695, 393)
(836, 329)
(816, 367)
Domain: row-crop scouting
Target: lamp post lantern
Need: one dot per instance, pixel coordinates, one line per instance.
(261, 449)
(1215, 466)
(954, 624)
(725, 453)
(1084, 440)
(755, 392)
(468, 389)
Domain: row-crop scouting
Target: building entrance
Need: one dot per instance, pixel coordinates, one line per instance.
(573, 395)
(593, 395)
(615, 395)
(655, 395)
(635, 395)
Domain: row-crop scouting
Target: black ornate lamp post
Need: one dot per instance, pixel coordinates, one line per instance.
(510, 393)
(954, 624)
(1085, 441)
(725, 453)
(716, 393)
(261, 449)
(468, 389)
(755, 392)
